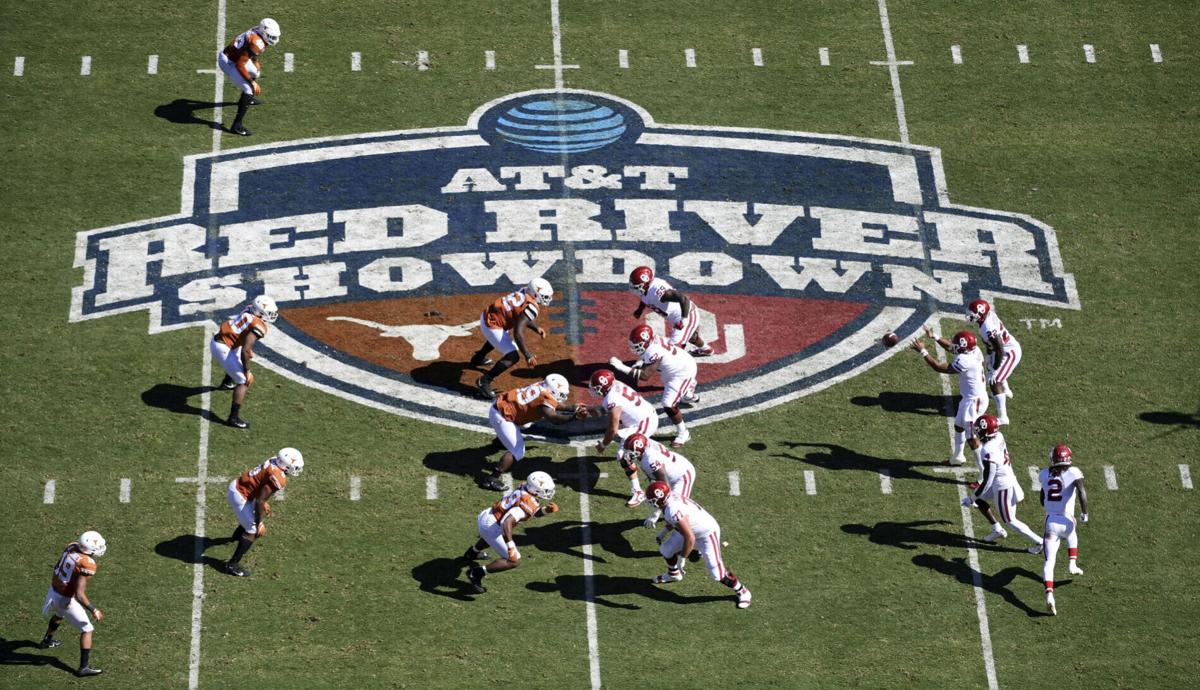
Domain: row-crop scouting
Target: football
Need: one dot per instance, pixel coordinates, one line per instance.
(890, 339)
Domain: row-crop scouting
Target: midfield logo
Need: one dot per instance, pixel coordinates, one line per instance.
(382, 249)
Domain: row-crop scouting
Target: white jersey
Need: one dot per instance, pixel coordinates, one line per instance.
(993, 327)
(634, 410)
(1000, 474)
(1059, 490)
(654, 299)
(971, 382)
(659, 457)
(703, 524)
(673, 361)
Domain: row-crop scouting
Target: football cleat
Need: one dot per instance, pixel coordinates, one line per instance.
(49, 644)
(227, 383)
(240, 130)
(997, 534)
(743, 601)
(1035, 549)
(239, 423)
(692, 399)
(1050, 604)
(484, 385)
(636, 499)
(475, 577)
(237, 570)
(255, 101)
(481, 361)
(85, 671)
(1001, 421)
(1074, 569)
(494, 484)
(957, 460)
(682, 438)
(705, 351)
(668, 577)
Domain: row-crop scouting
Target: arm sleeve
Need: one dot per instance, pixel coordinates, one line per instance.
(988, 478)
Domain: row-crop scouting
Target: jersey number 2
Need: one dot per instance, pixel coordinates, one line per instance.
(1054, 490)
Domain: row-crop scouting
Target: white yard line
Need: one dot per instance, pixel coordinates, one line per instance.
(1089, 53)
(355, 488)
(19, 66)
(823, 55)
(489, 60)
(756, 57)
(1023, 54)
(885, 482)
(810, 483)
(893, 70)
(431, 488)
(422, 60)
(356, 62)
(126, 488)
(1035, 483)
(956, 54)
(589, 585)
(1155, 53)
(48, 492)
(689, 57)
(289, 62)
(1110, 477)
(85, 66)
(556, 35)
(735, 483)
(152, 64)
(1185, 476)
(623, 59)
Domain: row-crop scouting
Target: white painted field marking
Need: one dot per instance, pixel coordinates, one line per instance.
(623, 59)
(207, 480)
(209, 70)
(885, 482)
(956, 54)
(1155, 53)
(431, 488)
(126, 488)
(48, 492)
(1110, 477)
(689, 57)
(1035, 484)
(556, 39)
(810, 483)
(589, 585)
(19, 66)
(823, 54)
(289, 62)
(85, 66)
(893, 70)
(1023, 54)
(152, 64)
(1089, 53)
(735, 483)
(356, 62)
(422, 60)
(489, 60)
(1185, 476)
(355, 488)
(756, 56)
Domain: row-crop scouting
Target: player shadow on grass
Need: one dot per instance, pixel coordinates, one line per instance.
(566, 537)
(909, 535)
(183, 548)
(905, 401)
(838, 457)
(575, 588)
(9, 656)
(444, 577)
(996, 584)
(478, 462)
(175, 398)
(449, 375)
(182, 111)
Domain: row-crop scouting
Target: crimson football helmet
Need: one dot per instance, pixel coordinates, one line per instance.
(635, 446)
(978, 310)
(963, 341)
(1060, 456)
(640, 279)
(602, 381)
(657, 493)
(987, 426)
(640, 338)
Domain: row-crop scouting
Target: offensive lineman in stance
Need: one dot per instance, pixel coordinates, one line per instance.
(67, 596)
(517, 409)
(503, 326)
(239, 62)
(628, 413)
(1060, 483)
(496, 525)
(248, 495)
(233, 348)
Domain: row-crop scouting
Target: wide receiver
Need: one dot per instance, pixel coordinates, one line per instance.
(692, 527)
(1060, 483)
(239, 61)
(660, 464)
(998, 484)
(503, 325)
(968, 364)
(233, 348)
(1004, 349)
(517, 409)
(677, 368)
(677, 310)
(496, 524)
(248, 496)
(67, 596)
(628, 413)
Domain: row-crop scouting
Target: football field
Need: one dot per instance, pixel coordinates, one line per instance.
(785, 164)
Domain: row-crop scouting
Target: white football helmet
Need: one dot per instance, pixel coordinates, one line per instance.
(557, 383)
(92, 543)
(539, 288)
(269, 30)
(290, 461)
(265, 307)
(540, 485)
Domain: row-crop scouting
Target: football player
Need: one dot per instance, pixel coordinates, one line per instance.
(691, 527)
(998, 484)
(248, 496)
(233, 348)
(678, 371)
(627, 414)
(67, 596)
(503, 325)
(677, 310)
(660, 465)
(968, 364)
(521, 407)
(1004, 349)
(496, 526)
(1060, 483)
(239, 61)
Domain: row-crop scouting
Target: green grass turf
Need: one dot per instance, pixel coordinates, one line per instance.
(851, 587)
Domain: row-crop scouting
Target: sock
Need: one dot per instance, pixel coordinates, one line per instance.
(238, 533)
(84, 654)
(634, 485)
(960, 438)
(481, 353)
(1072, 553)
(234, 408)
(681, 428)
(243, 546)
(51, 629)
(673, 564)
(1001, 405)
(243, 104)
(502, 366)
(730, 580)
